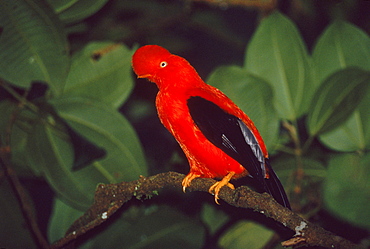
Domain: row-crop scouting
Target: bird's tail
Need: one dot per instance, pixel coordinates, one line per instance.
(275, 188)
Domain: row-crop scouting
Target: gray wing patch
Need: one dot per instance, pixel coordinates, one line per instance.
(227, 143)
(251, 140)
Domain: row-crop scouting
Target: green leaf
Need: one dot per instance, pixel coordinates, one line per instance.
(108, 129)
(354, 134)
(33, 45)
(246, 234)
(13, 231)
(51, 153)
(213, 217)
(277, 53)
(341, 45)
(336, 99)
(75, 10)
(138, 227)
(101, 71)
(253, 95)
(347, 188)
(50, 150)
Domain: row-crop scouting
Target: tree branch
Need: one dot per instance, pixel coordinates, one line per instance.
(110, 197)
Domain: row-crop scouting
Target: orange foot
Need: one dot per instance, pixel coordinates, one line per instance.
(186, 182)
(215, 188)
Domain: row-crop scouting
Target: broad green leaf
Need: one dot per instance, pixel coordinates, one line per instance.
(341, 45)
(51, 153)
(213, 217)
(347, 188)
(138, 227)
(354, 134)
(277, 54)
(33, 45)
(253, 95)
(101, 71)
(108, 129)
(246, 234)
(336, 99)
(75, 10)
(13, 231)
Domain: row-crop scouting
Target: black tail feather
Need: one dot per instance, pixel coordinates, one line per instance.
(275, 188)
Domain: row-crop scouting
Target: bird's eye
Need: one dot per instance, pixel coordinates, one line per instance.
(163, 64)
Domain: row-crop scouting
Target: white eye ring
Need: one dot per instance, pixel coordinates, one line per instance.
(163, 64)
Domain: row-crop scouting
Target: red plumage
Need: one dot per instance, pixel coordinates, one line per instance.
(178, 82)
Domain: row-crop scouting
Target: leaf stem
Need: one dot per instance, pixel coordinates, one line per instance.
(21, 99)
(298, 152)
(20, 193)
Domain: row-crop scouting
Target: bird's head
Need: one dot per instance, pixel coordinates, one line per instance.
(149, 60)
(158, 65)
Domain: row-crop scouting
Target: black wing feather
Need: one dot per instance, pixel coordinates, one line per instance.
(232, 136)
(228, 133)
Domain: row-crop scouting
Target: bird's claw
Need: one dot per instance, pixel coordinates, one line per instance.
(188, 178)
(215, 188)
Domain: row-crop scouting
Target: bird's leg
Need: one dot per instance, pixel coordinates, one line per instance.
(215, 188)
(186, 182)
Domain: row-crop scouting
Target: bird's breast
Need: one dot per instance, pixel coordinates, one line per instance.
(175, 116)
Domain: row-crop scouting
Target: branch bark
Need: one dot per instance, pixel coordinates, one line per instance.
(110, 197)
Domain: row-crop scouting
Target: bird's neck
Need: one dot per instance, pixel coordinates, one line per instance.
(182, 81)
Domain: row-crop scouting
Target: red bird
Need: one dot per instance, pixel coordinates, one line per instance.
(217, 137)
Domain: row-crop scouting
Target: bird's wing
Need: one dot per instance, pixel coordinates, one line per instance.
(229, 133)
(232, 136)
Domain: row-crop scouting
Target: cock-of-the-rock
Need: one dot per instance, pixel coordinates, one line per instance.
(217, 137)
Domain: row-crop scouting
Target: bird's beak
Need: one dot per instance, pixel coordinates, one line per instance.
(144, 76)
